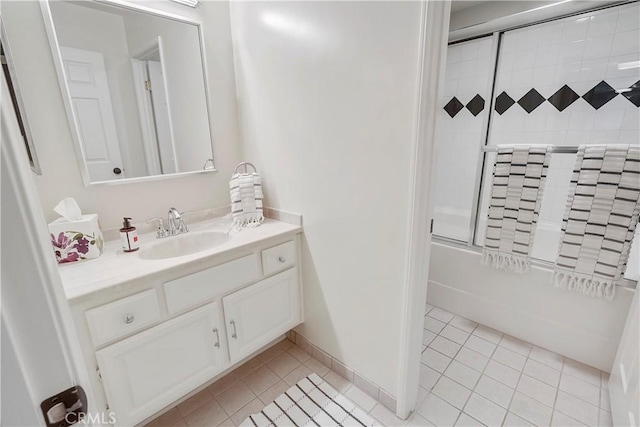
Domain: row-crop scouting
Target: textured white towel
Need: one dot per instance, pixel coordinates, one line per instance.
(246, 200)
(600, 220)
(519, 176)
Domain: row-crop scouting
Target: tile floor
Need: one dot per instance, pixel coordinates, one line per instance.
(252, 386)
(472, 375)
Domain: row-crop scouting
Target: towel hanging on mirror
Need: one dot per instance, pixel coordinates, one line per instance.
(246, 197)
(519, 175)
(600, 220)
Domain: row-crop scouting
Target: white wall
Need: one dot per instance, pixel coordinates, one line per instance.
(90, 29)
(327, 92)
(61, 177)
(182, 65)
(528, 306)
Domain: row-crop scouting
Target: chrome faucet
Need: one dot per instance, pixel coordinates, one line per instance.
(175, 223)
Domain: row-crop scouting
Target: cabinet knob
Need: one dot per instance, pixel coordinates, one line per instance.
(282, 259)
(128, 318)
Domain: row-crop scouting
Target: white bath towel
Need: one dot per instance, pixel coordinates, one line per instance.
(246, 200)
(600, 220)
(519, 176)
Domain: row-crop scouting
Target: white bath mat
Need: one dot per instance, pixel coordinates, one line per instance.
(311, 402)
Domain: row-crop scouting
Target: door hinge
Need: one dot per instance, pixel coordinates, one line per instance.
(147, 85)
(431, 227)
(98, 372)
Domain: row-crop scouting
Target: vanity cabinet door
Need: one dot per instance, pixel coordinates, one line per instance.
(258, 314)
(144, 373)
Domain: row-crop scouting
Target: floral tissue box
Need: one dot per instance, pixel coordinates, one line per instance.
(76, 240)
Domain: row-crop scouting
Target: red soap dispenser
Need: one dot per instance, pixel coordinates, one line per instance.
(129, 236)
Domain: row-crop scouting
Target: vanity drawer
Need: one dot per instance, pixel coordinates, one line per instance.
(122, 317)
(204, 285)
(279, 258)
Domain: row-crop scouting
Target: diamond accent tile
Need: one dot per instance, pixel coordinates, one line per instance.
(633, 95)
(503, 103)
(564, 97)
(600, 95)
(476, 105)
(453, 107)
(531, 100)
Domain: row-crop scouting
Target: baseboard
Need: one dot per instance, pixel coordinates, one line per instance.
(378, 393)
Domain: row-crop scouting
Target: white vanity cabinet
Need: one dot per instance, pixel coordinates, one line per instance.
(155, 339)
(258, 314)
(148, 371)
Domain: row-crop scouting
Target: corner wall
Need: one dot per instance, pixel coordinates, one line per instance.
(327, 94)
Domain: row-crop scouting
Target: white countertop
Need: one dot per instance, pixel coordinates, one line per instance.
(115, 266)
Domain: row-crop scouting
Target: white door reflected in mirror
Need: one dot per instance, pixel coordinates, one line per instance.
(137, 96)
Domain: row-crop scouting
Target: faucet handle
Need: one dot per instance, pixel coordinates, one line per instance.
(161, 232)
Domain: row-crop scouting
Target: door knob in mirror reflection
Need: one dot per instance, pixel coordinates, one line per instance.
(282, 259)
(117, 171)
(234, 335)
(128, 318)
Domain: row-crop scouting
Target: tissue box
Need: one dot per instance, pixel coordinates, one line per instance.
(76, 240)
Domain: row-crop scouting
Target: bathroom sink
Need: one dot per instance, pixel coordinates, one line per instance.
(184, 244)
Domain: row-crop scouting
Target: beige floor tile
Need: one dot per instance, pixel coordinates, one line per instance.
(270, 353)
(338, 382)
(235, 397)
(274, 391)
(297, 374)
(283, 364)
(316, 366)
(260, 379)
(170, 418)
(209, 415)
(252, 407)
(299, 353)
(248, 367)
(194, 402)
(223, 383)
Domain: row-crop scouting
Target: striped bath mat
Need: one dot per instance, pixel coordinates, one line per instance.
(519, 175)
(600, 220)
(311, 402)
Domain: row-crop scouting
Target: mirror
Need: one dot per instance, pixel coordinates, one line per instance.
(134, 82)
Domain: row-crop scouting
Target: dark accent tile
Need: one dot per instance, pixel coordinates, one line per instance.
(453, 107)
(600, 94)
(476, 105)
(531, 100)
(564, 97)
(503, 103)
(634, 94)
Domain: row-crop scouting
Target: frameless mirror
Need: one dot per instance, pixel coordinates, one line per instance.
(134, 82)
